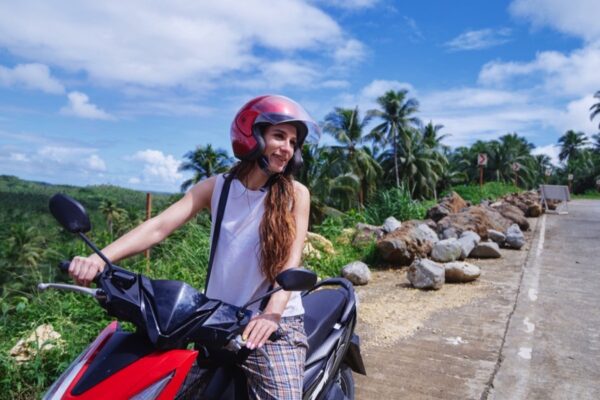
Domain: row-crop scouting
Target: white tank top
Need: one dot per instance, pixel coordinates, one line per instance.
(236, 276)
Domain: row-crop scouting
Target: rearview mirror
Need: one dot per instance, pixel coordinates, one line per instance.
(296, 279)
(69, 213)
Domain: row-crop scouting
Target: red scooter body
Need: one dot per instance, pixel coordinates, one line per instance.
(164, 369)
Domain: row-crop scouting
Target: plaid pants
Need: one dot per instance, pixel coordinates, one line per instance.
(285, 379)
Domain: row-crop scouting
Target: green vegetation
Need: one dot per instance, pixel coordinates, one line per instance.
(589, 195)
(397, 169)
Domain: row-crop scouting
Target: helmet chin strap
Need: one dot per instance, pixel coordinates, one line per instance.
(263, 163)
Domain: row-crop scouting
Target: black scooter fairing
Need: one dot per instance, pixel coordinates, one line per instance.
(171, 313)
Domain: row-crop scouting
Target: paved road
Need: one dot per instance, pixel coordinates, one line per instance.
(552, 346)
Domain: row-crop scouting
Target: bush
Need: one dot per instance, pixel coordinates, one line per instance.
(394, 202)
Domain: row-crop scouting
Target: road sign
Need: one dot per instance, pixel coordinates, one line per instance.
(548, 172)
(482, 159)
(570, 177)
(516, 166)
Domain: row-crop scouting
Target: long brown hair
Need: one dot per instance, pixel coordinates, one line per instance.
(278, 226)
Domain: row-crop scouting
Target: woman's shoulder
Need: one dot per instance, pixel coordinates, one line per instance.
(300, 191)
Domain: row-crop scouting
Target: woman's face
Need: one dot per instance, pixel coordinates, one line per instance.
(280, 143)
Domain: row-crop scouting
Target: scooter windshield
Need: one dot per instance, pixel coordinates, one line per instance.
(175, 302)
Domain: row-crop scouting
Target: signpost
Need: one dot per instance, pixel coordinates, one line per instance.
(482, 160)
(516, 167)
(570, 178)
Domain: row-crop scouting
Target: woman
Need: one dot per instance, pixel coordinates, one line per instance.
(262, 233)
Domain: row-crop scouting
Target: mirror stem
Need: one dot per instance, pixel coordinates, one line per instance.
(242, 310)
(96, 250)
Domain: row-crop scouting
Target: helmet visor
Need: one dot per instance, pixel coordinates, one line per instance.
(276, 110)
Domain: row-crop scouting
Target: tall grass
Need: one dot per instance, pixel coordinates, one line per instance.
(489, 191)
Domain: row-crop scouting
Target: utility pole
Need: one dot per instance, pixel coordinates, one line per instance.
(148, 216)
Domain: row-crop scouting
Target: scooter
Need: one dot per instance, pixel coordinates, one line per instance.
(187, 346)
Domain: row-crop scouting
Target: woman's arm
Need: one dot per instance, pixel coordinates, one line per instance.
(260, 328)
(147, 234)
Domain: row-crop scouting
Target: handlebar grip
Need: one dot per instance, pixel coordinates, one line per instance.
(64, 265)
(277, 335)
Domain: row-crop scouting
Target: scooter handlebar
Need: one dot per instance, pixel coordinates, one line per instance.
(64, 265)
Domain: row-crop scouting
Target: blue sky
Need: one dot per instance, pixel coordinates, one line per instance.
(95, 92)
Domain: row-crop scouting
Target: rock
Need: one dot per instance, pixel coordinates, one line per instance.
(534, 210)
(346, 236)
(426, 274)
(320, 243)
(412, 240)
(467, 241)
(461, 272)
(450, 204)
(310, 252)
(446, 250)
(449, 234)
(428, 233)
(357, 272)
(514, 214)
(366, 234)
(391, 224)
(486, 250)
(528, 202)
(477, 219)
(42, 339)
(496, 236)
(514, 237)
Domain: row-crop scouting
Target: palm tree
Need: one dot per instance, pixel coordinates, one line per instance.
(571, 144)
(397, 113)
(205, 162)
(346, 126)
(431, 137)
(596, 142)
(111, 212)
(595, 109)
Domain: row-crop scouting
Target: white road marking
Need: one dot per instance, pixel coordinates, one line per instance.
(532, 294)
(529, 326)
(525, 352)
(456, 340)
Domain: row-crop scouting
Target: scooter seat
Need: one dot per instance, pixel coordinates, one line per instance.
(322, 309)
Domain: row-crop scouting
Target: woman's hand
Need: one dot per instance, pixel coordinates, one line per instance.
(259, 329)
(84, 269)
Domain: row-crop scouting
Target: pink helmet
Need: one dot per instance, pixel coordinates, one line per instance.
(251, 119)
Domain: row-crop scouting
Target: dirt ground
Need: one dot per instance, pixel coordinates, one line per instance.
(436, 344)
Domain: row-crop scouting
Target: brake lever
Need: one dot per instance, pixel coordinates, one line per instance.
(96, 293)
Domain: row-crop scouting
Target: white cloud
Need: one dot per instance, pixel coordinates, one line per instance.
(415, 32)
(158, 167)
(165, 43)
(18, 157)
(576, 116)
(480, 39)
(550, 150)
(473, 98)
(351, 50)
(134, 180)
(574, 17)
(348, 4)
(574, 74)
(80, 106)
(378, 88)
(31, 76)
(84, 159)
(95, 163)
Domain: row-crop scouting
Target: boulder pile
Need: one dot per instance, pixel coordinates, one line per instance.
(435, 249)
